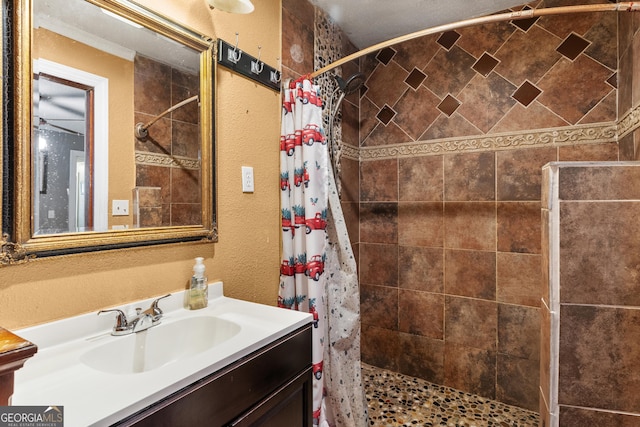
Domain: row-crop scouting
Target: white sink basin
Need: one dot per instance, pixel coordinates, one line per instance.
(157, 346)
(101, 379)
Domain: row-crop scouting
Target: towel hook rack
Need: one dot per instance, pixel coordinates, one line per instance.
(275, 76)
(257, 66)
(235, 54)
(243, 63)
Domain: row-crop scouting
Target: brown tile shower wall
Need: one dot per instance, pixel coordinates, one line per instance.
(503, 77)
(450, 246)
(593, 266)
(172, 139)
(598, 304)
(450, 267)
(629, 81)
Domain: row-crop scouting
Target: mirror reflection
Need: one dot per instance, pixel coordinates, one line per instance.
(95, 76)
(62, 143)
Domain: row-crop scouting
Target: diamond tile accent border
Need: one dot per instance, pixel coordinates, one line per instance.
(485, 64)
(415, 78)
(629, 123)
(155, 159)
(525, 24)
(556, 137)
(449, 105)
(586, 134)
(526, 93)
(573, 46)
(350, 152)
(448, 39)
(386, 114)
(385, 55)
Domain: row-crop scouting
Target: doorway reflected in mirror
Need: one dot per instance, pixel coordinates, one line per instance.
(69, 121)
(63, 201)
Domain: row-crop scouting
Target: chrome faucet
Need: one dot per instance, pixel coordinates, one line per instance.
(155, 311)
(142, 321)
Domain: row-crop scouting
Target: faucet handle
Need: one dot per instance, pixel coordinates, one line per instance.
(121, 325)
(155, 311)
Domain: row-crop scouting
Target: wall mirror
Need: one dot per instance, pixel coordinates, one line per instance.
(114, 140)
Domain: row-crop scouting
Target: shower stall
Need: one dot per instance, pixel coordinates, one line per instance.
(438, 157)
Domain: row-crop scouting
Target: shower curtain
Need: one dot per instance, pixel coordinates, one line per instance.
(315, 276)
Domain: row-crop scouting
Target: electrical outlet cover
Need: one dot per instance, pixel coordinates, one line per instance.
(247, 179)
(120, 208)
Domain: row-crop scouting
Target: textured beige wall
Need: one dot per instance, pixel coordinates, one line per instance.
(246, 257)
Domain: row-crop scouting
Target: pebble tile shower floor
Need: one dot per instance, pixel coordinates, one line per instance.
(396, 400)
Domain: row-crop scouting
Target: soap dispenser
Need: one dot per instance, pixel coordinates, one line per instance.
(199, 288)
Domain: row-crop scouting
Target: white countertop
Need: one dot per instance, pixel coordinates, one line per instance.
(55, 375)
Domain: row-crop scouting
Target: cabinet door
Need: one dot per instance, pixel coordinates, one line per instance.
(218, 400)
(288, 406)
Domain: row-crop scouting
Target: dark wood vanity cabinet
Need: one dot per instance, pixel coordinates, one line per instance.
(271, 387)
(14, 352)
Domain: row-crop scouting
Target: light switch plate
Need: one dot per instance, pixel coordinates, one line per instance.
(120, 207)
(247, 179)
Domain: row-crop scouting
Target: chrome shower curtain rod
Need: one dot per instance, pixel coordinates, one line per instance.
(44, 122)
(142, 130)
(508, 16)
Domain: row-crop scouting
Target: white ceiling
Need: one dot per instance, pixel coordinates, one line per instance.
(84, 22)
(63, 107)
(368, 22)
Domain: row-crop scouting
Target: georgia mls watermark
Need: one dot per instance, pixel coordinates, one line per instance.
(31, 416)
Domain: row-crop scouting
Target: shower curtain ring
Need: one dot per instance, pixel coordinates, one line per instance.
(257, 66)
(235, 54)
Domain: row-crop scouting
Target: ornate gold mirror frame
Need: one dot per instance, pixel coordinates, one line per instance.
(20, 241)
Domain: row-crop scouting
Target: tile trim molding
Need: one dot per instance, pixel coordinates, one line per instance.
(165, 160)
(610, 132)
(629, 122)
